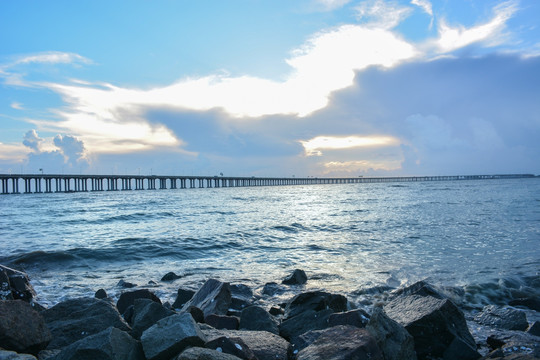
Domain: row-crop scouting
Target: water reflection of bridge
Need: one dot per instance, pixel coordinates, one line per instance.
(44, 183)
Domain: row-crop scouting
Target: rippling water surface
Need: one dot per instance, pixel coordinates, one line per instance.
(349, 238)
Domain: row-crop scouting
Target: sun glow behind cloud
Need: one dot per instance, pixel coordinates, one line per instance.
(314, 147)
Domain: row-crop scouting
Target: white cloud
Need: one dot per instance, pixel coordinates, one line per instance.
(32, 140)
(346, 168)
(453, 38)
(16, 105)
(382, 14)
(315, 145)
(332, 4)
(425, 5)
(13, 152)
(52, 57)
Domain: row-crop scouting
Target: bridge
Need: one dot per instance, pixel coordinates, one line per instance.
(50, 183)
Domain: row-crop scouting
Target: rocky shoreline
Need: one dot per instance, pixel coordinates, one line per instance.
(230, 321)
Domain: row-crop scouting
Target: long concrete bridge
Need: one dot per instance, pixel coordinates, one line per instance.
(50, 183)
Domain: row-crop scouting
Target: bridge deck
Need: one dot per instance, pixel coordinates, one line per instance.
(50, 183)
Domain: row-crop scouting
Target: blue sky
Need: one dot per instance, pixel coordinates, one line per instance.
(270, 88)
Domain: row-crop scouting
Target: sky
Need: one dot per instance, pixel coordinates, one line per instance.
(326, 88)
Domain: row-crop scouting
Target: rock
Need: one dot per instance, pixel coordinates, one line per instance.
(170, 276)
(241, 291)
(276, 310)
(196, 313)
(214, 297)
(125, 284)
(502, 318)
(306, 321)
(392, 338)
(11, 355)
(532, 303)
(75, 319)
(438, 327)
(233, 346)
(342, 342)
(302, 341)
(100, 294)
(145, 314)
(110, 344)
(182, 297)
(420, 288)
(15, 285)
(197, 353)
(22, 329)
(272, 288)
(514, 344)
(315, 300)
(534, 329)
(358, 318)
(298, 277)
(128, 314)
(170, 335)
(128, 298)
(256, 318)
(265, 345)
(222, 321)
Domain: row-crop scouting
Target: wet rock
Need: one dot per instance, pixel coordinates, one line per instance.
(100, 294)
(358, 318)
(241, 291)
(342, 342)
(302, 341)
(265, 345)
(306, 321)
(170, 276)
(12, 355)
(127, 299)
(392, 338)
(315, 300)
(197, 353)
(272, 288)
(145, 314)
(182, 297)
(276, 310)
(214, 297)
(231, 345)
(438, 327)
(534, 329)
(75, 319)
(502, 318)
(126, 284)
(420, 288)
(169, 336)
(298, 277)
(222, 321)
(514, 343)
(110, 344)
(15, 285)
(196, 313)
(256, 318)
(22, 329)
(529, 302)
(128, 314)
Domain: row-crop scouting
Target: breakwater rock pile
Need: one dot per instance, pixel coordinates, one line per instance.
(224, 321)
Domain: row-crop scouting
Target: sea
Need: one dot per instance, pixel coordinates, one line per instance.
(479, 239)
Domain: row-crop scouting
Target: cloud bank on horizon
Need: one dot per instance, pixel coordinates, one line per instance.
(374, 88)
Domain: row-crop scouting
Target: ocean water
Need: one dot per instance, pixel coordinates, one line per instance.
(480, 238)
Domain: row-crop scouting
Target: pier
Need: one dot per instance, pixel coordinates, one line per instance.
(45, 183)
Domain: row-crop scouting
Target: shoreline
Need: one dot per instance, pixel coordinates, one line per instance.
(221, 310)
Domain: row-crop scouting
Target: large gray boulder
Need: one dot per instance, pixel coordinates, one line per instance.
(233, 346)
(304, 322)
(22, 329)
(214, 297)
(502, 318)
(12, 355)
(15, 285)
(146, 313)
(128, 298)
(298, 277)
(75, 319)
(256, 318)
(265, 345)
(392, 338)
(438, 327)
(170, 335)
(197, 353)
(317, 301)
(342, 342)
(110, 344)
(357, 317)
